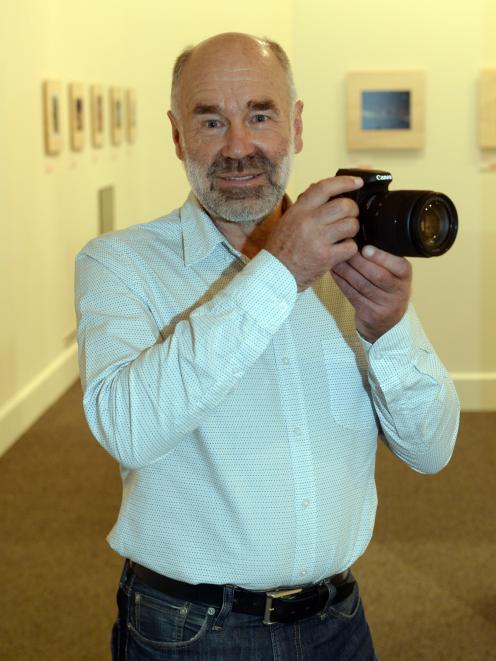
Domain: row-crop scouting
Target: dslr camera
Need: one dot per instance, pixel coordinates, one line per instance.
(410, 223)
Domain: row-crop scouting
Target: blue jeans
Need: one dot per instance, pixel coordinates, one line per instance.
(153, 626)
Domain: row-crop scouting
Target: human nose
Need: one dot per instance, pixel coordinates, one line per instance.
(238, 141)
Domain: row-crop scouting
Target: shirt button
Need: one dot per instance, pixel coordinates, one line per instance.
(305, 503)
(285, 360)
(297, 432)
(303, 572)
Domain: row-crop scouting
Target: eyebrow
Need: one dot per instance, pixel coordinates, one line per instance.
(203, 109)
(263, 104)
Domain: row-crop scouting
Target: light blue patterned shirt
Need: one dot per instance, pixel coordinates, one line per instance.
(244, 415)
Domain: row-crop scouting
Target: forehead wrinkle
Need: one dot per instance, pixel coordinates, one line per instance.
(229, 83)
(240, 70)
(229, 75)
(237, 94)
(229, 71)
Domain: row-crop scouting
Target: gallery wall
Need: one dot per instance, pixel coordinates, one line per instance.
(450, 42)
(49, 205)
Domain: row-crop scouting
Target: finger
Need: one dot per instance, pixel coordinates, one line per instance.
(320, 193)
(354, 274)
(398, 266)
(338, 230)
(343, 251)
(337, 209)
(367, 295)
(357, 298)
(372, 282)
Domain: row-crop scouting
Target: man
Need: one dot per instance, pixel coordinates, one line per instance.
(238, 358)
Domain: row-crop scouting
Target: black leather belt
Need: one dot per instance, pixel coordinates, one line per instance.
(284, 605)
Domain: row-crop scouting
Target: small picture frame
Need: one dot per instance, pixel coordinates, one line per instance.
(97, 115)
(116, 115)
(385, 110)
(131, 115)
(487, 109)
(52, 116)
(77, 114)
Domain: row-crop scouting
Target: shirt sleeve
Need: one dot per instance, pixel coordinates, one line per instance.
(414, 396)
(143, 392)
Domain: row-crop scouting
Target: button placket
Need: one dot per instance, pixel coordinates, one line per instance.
(293, 403)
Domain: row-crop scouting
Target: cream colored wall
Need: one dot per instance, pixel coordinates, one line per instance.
(450, 41)
(488, 217)
(48, 205)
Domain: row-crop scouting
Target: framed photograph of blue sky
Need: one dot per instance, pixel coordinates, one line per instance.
(385, 110)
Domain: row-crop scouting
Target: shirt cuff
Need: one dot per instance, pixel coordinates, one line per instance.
(396, 350)
(266, 290)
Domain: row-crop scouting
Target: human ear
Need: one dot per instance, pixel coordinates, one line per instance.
(298, 127)
(176, 135)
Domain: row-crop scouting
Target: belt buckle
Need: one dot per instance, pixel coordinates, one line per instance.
(276, 594)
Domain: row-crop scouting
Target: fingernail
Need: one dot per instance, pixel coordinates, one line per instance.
(368, 251)
(358, 181)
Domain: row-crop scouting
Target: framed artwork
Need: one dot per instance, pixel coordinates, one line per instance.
(77, 112)
(52, 116)
(97, 113)
(385, 110)
(487, 109)
(116, 115)
(131, 115)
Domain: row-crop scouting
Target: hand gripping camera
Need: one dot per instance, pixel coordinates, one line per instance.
(411, 223)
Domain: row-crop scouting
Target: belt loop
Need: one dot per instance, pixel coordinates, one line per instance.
(332, 593)
(227, 604)
(127, 576)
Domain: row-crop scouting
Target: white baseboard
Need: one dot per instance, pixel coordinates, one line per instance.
(476, 390)
(22, 410)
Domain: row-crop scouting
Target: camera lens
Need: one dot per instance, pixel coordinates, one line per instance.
(434, 224)
(411, 223)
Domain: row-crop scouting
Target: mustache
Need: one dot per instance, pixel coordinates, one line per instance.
(226, 165)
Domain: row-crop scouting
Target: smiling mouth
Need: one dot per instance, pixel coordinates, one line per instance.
(240, 178)
(246, 178)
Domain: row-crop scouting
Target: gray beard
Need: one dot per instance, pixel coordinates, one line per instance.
(240, 205)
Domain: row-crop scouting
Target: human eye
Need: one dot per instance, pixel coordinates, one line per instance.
(212, 123)
(260, 118)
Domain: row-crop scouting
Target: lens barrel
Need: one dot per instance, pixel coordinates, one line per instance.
(411, 223)
(408, 222)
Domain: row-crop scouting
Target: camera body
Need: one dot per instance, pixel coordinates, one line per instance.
(411, 223)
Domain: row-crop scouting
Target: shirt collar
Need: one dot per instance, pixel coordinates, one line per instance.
(200, 235)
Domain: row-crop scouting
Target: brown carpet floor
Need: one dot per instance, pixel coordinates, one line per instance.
(428, 579)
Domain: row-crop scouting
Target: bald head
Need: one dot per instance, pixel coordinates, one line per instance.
(235, 125)
(226, 47)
